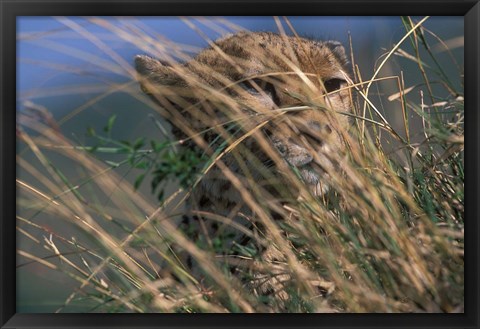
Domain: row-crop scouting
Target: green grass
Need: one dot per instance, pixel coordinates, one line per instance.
(388, 237)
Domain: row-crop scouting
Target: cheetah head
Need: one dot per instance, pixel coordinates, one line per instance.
(296, 89)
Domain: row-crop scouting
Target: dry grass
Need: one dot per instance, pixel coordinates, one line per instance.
(388, 237)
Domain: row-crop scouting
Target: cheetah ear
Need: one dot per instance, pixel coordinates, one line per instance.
(338, 50)
(155, 72)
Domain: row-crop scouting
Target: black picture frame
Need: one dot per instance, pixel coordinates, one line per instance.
(10, 9)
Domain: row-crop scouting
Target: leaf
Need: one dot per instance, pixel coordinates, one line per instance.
(142, 165)
(138, 181)
(110, 150)
(113, 164)
(138, 143)
(155, 182)
(126, 147)
(156, 146)
(110, 123)
(90, 132)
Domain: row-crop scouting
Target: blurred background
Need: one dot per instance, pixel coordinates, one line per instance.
(81, 71)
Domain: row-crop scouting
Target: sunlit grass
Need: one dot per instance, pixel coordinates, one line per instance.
(387, 237)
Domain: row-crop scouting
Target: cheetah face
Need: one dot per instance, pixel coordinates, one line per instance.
(309, 140)
(299, 85)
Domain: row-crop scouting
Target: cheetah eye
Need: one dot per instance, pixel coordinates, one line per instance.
(333, 84)
(252, 86)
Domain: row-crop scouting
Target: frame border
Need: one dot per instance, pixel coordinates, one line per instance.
(9, 9)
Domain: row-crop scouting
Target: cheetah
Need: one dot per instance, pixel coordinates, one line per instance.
(261, 104)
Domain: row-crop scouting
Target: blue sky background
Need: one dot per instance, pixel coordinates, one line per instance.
(38, 35)
(48, 50)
